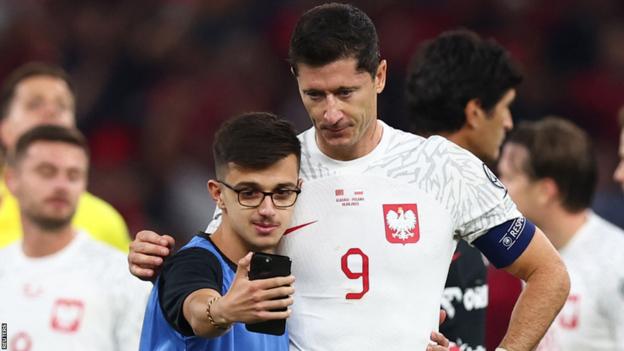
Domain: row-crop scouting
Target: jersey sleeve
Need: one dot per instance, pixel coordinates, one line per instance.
(102, 222)
(187, 271)
(478, 201)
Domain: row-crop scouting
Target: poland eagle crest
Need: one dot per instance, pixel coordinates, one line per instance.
(402, 223)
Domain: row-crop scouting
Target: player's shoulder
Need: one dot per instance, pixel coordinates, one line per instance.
(433, 148)
(8, 255)
(600, 256)
(609, 229)
(108, 264)
(90, 247)
(602, 236)
(436, 154)
(598, 247)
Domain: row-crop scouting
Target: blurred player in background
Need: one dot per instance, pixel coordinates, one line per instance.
(61, 289)
(37, 94)
(550, 171)
(461, 86)
(374, 230)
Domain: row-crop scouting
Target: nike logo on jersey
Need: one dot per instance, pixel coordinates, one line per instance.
(292, 229)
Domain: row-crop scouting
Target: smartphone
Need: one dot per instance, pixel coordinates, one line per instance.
(265, 266)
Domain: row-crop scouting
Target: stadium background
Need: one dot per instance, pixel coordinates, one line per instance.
(155, 77)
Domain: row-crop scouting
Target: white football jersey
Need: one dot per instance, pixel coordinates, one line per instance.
(372, 239)
(592, 318)
(80, 298)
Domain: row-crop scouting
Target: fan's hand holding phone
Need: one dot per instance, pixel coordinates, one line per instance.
(265, 266)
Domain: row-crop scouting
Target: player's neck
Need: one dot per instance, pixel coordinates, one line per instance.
(39, 242)
(229, 243)
(561, 225)
(463, 139)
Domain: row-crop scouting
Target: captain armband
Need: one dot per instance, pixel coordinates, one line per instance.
(503, 244)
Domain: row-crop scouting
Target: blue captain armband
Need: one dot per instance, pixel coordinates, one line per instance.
(503, 244)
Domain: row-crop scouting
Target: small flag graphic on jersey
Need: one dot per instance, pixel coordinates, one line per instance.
(339, 192)
(401, 223)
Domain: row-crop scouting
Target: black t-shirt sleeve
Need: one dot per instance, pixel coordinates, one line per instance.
(185, 272)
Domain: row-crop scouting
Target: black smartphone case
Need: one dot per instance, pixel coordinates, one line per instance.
(265, 266)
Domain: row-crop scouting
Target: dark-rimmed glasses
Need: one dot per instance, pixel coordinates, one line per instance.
(252, 198)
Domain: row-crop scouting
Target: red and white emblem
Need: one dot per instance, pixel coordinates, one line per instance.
(569, 314)
(67, 315)
(401, 222)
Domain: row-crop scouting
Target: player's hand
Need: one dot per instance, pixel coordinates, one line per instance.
(251, 301)
(147, 253)
(442, 317)
(439, 342)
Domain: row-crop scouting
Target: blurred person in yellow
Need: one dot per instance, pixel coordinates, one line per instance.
(36, 94)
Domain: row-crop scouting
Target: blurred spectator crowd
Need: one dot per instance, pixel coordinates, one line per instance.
(155, 78)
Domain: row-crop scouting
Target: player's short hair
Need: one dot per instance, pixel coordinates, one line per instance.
(560, 150)
(331, 32)
(28, 70)
(254, 140)
(47, 132)
(449, 71)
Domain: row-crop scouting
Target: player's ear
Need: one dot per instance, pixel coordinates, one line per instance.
(214, 189)
(548, 191)
(380, 76)
(474, 113)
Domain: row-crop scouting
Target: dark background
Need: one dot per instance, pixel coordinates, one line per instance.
(155, 78)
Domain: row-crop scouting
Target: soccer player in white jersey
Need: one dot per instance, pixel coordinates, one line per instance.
(61, 289)
(373, 233)
(550, 171)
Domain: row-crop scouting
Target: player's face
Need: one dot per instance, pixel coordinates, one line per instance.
(522, 189)
(342, 103)
(37, 100)
(495, 126)
(259, 228)
(618, 175)
(48, 182)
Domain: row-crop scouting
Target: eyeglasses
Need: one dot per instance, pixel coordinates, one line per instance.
(252, 198)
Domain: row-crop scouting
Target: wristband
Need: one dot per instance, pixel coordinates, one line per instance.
(211, 320)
